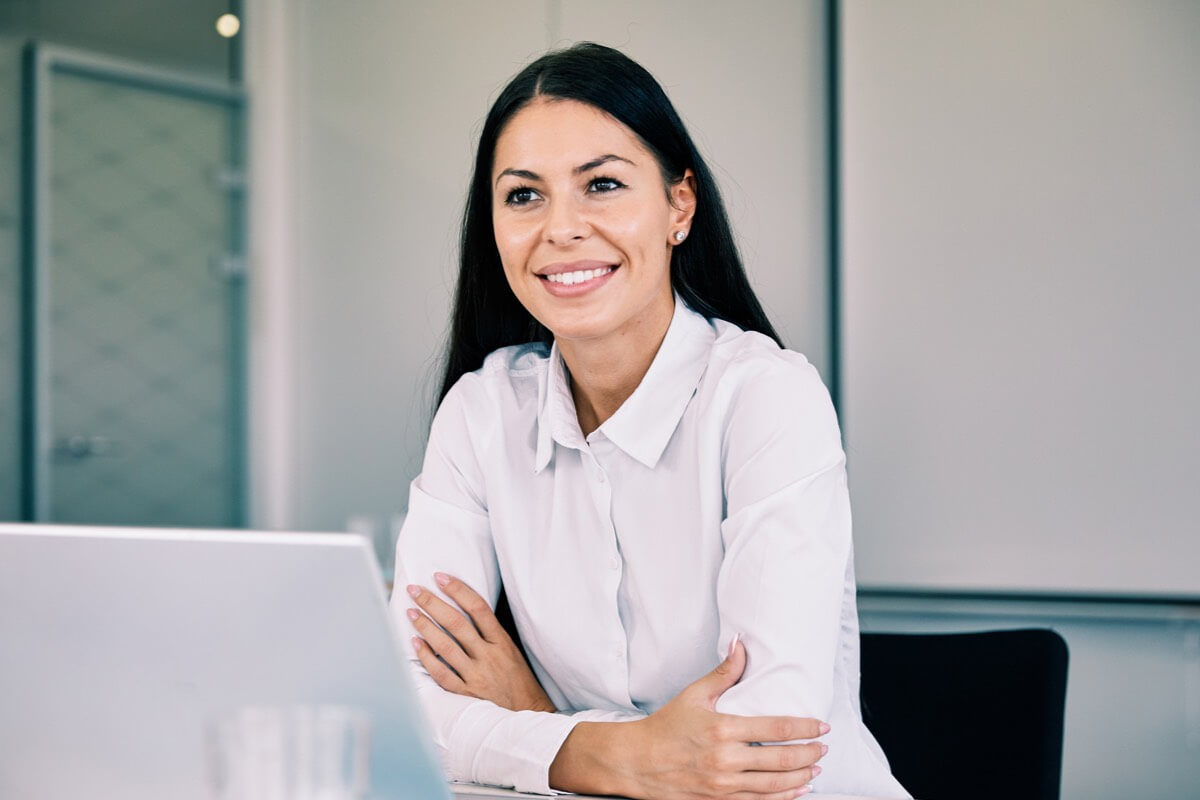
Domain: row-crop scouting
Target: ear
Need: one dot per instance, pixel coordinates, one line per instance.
(683, 204)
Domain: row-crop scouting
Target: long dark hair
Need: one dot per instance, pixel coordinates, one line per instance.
(706, 270)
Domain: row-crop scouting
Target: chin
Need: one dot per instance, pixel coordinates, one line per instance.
(577, 329)
(573, 320)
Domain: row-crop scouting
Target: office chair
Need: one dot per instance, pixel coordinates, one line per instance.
(968, 716)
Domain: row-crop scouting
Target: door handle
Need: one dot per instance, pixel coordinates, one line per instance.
(80, 446)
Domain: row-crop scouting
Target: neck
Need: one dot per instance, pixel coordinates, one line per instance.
(605, 372)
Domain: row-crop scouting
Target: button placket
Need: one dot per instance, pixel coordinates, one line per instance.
(604, 497)
(601, 486)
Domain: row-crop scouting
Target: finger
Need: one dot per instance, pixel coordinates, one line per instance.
(442, 643)
(779, 758)
(478, 609)
(726, 674)
(757, 784)
(449, 617)
(444, 676)
(773, 782)
(772, 729)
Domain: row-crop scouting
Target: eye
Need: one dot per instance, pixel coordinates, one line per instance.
(522, 195)
(601, 184)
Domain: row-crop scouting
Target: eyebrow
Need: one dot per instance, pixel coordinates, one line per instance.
(582, 168)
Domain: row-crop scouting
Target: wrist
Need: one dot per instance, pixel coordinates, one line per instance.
(542, 704)
(596, 758)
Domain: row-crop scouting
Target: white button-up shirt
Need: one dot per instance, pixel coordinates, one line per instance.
(712, 503)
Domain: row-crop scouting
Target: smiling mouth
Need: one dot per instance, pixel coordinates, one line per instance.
(578, 276)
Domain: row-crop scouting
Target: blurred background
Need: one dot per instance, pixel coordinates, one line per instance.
(227, 244)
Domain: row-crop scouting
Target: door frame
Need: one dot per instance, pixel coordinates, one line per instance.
(40, 61)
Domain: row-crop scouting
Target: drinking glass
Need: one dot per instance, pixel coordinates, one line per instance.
(291, 753)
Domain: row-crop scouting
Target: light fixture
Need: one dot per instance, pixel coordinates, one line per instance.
(228, 25)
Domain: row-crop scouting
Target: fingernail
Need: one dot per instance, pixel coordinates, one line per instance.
(816, 770)
(733, 643)
(414, 591)
(441, 578)
(413, 615)
(824, 750)
(804, 790)
(416, 643)
(824, 728)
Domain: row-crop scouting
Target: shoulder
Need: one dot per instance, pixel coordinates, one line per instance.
(508, 371)
(748, 367)
(769, 399)
(516, 361)
(506, 385)
(772, 412)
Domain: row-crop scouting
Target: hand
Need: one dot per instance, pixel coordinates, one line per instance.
(688, 751)
(472, 655)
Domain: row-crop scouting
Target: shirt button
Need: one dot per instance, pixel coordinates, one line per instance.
(615, 564)
(601, 477)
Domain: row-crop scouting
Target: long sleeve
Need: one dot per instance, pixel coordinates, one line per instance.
(786, 578)
(781, 584)
(447, 530)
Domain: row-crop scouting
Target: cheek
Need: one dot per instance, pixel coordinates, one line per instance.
(648, 220)
(513, 246)
(514, 232)
(642, 231)
(506, 240)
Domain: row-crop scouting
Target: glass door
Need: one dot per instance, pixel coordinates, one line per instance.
(134, 272)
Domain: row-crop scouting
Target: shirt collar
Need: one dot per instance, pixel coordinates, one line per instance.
(646, 420)
(557, 420)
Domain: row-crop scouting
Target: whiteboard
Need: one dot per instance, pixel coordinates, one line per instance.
(1020, 302)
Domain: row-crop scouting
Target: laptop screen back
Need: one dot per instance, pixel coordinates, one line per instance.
(119, 647)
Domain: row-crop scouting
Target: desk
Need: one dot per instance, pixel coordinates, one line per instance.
(470, 791)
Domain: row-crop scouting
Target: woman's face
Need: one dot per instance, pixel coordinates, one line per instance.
(583, 222)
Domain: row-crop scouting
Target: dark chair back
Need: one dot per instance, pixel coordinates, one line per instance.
(968, 716)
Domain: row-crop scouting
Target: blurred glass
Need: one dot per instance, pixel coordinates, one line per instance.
(140, 334)
(291, 753)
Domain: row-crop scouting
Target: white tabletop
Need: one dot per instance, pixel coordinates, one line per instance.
(471, 791)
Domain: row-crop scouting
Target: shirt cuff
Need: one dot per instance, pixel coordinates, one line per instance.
(517, 752)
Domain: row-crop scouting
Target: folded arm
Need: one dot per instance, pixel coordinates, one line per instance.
(786, 532)
(688, 748)
(447, 530)
(480, 741)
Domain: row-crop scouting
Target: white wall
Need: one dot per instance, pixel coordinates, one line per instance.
(384, 106)
(1021, 324)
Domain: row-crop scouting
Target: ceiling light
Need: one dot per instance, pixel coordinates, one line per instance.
(228, 25)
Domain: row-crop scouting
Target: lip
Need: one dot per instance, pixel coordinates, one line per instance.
(575, 289)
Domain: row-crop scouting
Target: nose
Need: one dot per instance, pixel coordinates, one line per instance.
(564, 222)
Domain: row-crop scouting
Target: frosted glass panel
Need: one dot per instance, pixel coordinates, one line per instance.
(141, 388)
(10, 270)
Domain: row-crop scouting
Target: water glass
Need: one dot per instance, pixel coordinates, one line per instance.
(291, 753)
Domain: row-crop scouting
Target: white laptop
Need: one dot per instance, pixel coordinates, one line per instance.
(119, 646)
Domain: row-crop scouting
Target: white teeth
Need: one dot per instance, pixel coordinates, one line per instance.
(579, 276)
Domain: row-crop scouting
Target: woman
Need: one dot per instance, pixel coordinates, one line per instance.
(660, 487)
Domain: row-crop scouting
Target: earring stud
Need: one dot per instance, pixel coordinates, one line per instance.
(680, 236)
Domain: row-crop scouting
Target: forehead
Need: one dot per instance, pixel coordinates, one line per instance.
(553, 134)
